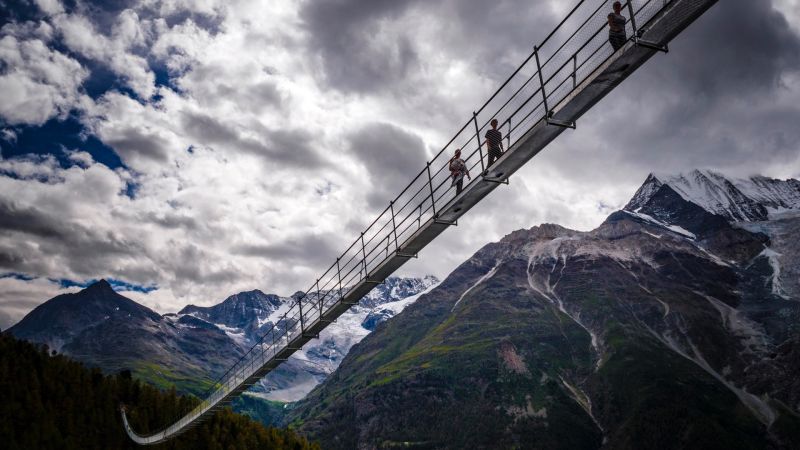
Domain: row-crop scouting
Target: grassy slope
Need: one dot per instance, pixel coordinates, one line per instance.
(441, 379)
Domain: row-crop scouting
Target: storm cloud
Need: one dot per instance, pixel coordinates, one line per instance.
(357, 52)
(726, 92)
(283, 147)
(391, 156)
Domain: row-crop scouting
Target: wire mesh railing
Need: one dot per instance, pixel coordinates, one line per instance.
(554, 70)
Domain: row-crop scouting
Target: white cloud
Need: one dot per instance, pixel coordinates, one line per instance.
(209, 225)
(38, 83)
(9, 135)
(168, 7)
(790, 9)
(80, 158)
(80, 36)
(50, 7)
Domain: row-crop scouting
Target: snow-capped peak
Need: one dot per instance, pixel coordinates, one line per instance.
(751, 199)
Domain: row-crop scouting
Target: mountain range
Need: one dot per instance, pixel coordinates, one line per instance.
(189, 349)
(246, 316)
(674, 324)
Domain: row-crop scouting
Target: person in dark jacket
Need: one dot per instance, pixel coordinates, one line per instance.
(616, 27)
(494, 142)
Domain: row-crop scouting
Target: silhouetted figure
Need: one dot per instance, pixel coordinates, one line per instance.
(494, 141)
(458, 168)
(616, 27)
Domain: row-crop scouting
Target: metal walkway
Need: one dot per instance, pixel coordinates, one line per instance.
(568, 73)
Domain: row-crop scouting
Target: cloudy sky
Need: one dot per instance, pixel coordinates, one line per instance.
(190, 150)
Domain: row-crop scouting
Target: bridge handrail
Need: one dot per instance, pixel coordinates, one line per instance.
(352, 266)
(601, 4)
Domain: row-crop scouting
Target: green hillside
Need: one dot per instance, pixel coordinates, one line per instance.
(51, 402)
(553, 339)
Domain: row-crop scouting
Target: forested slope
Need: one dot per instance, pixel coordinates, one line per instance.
(51, 402)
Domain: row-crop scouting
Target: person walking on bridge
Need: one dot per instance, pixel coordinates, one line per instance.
(494, 142)
(458, 168)
(616, 27)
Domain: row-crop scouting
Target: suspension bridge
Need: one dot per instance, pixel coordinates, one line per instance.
(572, 69)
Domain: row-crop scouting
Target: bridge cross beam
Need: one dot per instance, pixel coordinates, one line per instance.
(637, 34)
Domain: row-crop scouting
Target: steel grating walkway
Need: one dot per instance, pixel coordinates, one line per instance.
(568, 73)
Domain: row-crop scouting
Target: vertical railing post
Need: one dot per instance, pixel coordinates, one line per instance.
(364, 254)
(394, 226)
(541, 81)
(319, 297)
(339, 274)
(286, 328)
(300, 307)
(478, 137)
(575, 70)
(430, 185)
(508, 135)
(633, 20)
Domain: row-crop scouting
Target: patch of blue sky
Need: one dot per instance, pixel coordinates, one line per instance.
(131, 189)
(17, 276)
(18, 11)
(118, 285)
(163, 76)
(54, 138)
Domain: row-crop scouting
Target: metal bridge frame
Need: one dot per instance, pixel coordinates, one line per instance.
(535, 104)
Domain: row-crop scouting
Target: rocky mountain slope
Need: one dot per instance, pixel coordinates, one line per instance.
(313, 363)
(246, 316)
(674, 324)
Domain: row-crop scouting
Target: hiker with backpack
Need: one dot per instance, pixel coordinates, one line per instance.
(458, 168)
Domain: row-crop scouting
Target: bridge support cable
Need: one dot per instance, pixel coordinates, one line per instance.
(579, 68)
